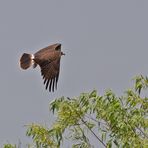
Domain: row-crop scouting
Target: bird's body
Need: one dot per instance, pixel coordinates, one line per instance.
(48, 59)
(51, 52)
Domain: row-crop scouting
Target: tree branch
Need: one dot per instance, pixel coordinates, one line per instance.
(93, 133)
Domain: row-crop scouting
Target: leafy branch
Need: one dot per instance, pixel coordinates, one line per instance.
(113, 121)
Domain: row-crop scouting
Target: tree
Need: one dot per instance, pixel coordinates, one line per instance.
(113, 121)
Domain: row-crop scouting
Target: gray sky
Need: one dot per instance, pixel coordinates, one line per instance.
(106, 44)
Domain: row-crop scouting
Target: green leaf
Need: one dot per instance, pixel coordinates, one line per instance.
(93, 94)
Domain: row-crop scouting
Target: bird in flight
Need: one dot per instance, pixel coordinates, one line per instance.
(48, 59)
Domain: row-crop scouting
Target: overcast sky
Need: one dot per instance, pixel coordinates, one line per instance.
(106, 44)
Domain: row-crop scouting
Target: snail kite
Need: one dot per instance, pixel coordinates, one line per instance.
(48, 59)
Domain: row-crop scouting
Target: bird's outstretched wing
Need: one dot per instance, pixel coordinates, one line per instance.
(50, 72)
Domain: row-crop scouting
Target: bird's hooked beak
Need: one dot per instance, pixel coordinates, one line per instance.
(62, 53)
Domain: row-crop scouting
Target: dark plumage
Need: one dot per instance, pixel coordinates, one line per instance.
(49, 61)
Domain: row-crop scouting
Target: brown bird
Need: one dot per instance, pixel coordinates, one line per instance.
(48, 59)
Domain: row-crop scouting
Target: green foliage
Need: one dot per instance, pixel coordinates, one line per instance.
(141, 83)
(9, 146)
(113, 121)
(41, 136)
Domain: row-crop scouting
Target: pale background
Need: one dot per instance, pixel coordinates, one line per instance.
(106, 44)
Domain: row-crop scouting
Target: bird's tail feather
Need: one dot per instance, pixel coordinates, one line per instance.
(26, 60)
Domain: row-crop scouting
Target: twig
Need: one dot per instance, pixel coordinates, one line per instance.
(93, 133)
(142, 132)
